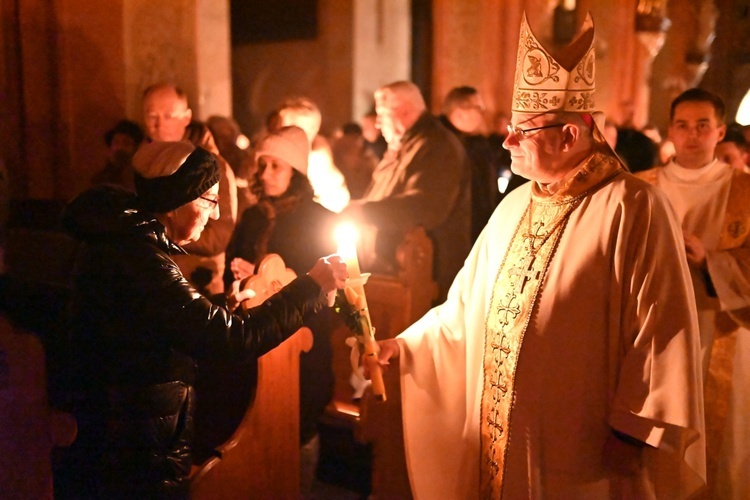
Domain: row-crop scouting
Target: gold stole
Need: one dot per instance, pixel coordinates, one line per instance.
(736, 224)
(518, 282)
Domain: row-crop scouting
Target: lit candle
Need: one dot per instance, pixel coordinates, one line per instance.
(346, 234)
(569, 4)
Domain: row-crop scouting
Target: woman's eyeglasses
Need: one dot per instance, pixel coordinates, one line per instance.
(214, 202)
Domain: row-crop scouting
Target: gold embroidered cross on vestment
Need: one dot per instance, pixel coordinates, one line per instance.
(514, 294)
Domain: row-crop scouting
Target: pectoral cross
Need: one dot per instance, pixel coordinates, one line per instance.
(525, 272)
(532, 237)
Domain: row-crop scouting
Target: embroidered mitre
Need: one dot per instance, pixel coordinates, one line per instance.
(561, 82)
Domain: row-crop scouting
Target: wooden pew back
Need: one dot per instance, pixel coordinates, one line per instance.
(30, 428)
(261, 459)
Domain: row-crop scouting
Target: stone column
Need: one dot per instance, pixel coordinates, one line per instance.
(651, 25)
(682, 62)
(82, 65)
(381, 49)
(185, 42)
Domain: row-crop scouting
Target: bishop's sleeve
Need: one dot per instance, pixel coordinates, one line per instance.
(658, 396)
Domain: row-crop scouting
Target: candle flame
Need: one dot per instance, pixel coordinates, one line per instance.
(346, 233)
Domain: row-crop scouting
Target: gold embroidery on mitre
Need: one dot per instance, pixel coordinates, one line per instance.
(545, 83)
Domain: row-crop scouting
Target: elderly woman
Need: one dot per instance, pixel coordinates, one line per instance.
(139, 328)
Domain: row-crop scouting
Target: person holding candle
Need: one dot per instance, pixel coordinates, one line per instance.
(138, 328)
(287, 221)
(565, 362)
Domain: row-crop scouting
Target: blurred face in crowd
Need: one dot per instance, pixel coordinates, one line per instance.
(185, 224)
(166, 115)
(308, 122)
(537, 154)
(729, 152)
(468, 117)
(122, 147)
(369, 128)
(275, 174)
(390, 118)
(695, 130)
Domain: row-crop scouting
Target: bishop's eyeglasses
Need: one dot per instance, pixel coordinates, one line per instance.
(516, 131)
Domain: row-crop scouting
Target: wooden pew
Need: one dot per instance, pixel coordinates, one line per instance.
(261, 458)
(395, 302)
(30, 428)
(33, 291)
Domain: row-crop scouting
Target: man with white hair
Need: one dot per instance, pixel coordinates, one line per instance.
(168, 117)
(423, 179)
(565, 362)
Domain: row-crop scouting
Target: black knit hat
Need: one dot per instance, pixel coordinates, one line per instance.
(172, 174)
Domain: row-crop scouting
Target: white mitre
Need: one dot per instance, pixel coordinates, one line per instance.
(563, 81)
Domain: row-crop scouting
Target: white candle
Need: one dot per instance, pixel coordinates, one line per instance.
(346, 234)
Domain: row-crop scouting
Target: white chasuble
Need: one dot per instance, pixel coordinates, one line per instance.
(713, 203)
(572, 316)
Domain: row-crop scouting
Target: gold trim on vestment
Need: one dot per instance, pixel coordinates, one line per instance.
(517, 285)
(736, 224)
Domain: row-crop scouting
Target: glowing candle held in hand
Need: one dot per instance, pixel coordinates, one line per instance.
(346, 235)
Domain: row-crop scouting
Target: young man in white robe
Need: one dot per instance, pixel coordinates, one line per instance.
(565, 362)
(712, 202)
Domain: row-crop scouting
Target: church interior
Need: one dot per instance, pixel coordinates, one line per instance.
(71, 69)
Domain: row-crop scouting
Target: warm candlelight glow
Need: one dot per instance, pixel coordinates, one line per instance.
(346, 237)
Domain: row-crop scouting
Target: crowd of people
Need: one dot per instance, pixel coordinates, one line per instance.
(576, 313)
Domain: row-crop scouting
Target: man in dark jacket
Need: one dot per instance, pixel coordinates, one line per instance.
(463, 110)
(423, 179)
(139, 328)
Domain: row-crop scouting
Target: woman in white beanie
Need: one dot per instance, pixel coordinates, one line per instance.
(138, 328)
(287, 221)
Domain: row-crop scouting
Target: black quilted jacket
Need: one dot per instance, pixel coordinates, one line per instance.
(138, 328)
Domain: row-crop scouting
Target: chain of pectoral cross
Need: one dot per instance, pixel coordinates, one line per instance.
(525, 271)
(536, 234)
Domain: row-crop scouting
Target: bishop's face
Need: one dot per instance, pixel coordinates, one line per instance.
(535, 144)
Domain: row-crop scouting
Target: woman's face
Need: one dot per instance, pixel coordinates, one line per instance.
(275, 174)
(185, 224)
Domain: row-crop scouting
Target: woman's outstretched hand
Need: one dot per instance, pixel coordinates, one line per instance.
(330, 273)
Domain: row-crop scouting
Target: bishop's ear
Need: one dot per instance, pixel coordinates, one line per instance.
(571, 134)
